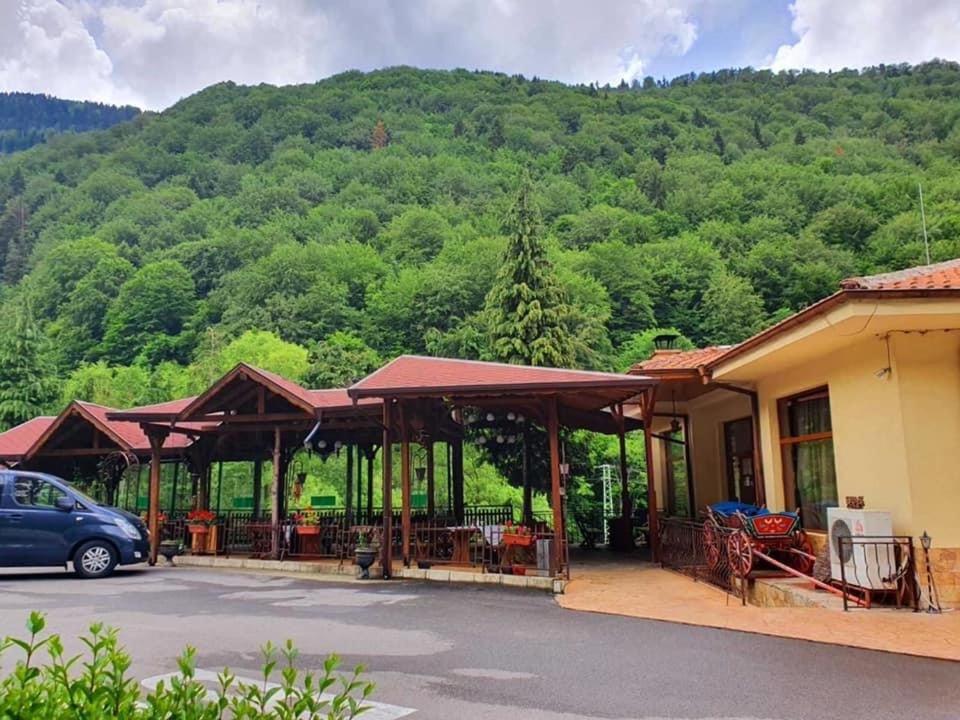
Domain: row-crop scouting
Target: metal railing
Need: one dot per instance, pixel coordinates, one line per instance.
(878, 565)
(699, 551)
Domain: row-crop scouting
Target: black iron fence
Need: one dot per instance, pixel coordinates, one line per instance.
(878, 568)
(700, 551)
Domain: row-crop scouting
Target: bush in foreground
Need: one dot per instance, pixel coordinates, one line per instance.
(96, 685)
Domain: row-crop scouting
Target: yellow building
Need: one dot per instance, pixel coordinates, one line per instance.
(857, 396)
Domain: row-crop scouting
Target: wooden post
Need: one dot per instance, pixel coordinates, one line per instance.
(431, 480)
(257, 486)
(173, 492)
(527, 487)
(277, 493)
(556, 495)
(348, 490)
(626, 505)
(386, 559)
(405, 488)
(761, 486)
(219, 484)
(153, 509)
(456, 451)
(359, 450)
(653, 521)
(371, 454)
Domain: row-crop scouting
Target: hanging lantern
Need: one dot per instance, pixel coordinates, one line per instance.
(511, 439)
(500, 439)
(511, 416)
(520, 418)
(481, 440)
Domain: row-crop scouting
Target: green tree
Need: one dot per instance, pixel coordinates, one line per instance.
(27, 385)
(640, 346)
(339, 360)
(526, 305)
(153, 306)
(731, 310)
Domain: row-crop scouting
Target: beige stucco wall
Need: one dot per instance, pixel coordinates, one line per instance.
(868, 435)
(707, 414)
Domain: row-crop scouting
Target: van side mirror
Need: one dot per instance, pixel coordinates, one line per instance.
(65, 503)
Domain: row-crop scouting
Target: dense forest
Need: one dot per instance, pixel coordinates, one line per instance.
(27, 119)
(322, 228)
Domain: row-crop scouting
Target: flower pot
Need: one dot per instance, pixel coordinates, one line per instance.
(518, 540)
(308, 529)
(365, 557)
(198, 529)
(519, 570)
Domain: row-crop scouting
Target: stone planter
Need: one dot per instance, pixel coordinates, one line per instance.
(365, 557)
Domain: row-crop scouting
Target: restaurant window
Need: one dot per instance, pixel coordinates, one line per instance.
(679, 488)
(806, 439)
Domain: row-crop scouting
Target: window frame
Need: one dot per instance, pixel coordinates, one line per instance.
(788, 441)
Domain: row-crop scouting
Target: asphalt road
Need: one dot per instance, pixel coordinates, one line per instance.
(462, 652)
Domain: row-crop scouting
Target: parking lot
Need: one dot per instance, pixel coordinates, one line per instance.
(475, 652)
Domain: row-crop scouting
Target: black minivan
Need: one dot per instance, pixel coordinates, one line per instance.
(44, 521)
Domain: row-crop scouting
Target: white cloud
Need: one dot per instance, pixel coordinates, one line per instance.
(153, 52)
(857, 33)
(45, 47)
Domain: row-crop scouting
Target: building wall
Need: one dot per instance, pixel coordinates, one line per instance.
(896, 437)
(708, 413)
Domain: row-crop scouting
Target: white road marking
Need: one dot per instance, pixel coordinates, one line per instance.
(377, 711)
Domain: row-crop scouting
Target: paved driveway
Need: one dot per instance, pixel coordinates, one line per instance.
(452, 652)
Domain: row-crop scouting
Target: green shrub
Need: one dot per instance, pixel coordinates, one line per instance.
(96, 685)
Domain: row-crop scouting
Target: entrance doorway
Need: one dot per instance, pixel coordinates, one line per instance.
(741, 474)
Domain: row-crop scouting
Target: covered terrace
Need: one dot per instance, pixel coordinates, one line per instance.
(405, 408)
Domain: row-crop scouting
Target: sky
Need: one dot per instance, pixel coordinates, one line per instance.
(151, 53)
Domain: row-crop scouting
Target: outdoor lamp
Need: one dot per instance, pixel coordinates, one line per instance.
(500, 438)
(511, 416)
(511, 439)
(421, 473)
(337, 445)
(925, 540)
(490, 417)
(321, 444)
(481, 440)
(520, 418)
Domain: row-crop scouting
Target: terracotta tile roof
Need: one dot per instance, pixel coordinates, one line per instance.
(336, 398)
(129, 434)
(289, 386)
(169, 408)
(940, 276)
(15, 442)
(688, 360)
(408, 374)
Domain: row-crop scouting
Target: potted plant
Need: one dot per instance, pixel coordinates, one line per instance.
(307, 522)
(517, 535)
(365, 554)
(199, 521)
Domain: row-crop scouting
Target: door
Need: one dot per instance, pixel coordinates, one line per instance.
(741, 477)
(35, 531)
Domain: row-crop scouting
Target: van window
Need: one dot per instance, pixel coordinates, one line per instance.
(36, 492)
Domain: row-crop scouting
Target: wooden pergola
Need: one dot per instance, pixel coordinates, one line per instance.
(83, 440)
(426, 397)
(249, 414)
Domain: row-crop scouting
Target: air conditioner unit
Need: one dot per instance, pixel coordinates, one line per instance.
(865, 564)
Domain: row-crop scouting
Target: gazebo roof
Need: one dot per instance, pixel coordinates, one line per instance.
(418, 376)
(15, 442)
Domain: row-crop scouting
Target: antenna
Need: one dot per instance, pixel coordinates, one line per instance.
(923, 219)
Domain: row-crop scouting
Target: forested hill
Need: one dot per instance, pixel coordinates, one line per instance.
(27, 119)
(372, 206)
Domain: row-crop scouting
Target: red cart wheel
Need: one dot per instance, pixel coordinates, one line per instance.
(712, 544)
(740, 553)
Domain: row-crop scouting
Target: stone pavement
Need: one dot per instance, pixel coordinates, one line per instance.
(644, 590)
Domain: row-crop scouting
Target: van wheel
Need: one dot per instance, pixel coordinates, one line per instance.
(95, 559)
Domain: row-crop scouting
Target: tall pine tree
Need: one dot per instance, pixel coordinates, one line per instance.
(27, 385)
(526, 306)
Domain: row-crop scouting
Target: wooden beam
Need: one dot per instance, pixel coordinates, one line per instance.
(276, 490)
(348, 487)
(153, 508)
(626, 505)
(456, 460)
(264, 419)
(431, 480)
(556, 494)
(653, 521)
(386, 558)
(405, 498)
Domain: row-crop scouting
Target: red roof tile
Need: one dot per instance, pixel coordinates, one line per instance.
(684, 360)
(15, 442)
(129, 434)
(940, 276)
(336, 398)
(409, 374)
